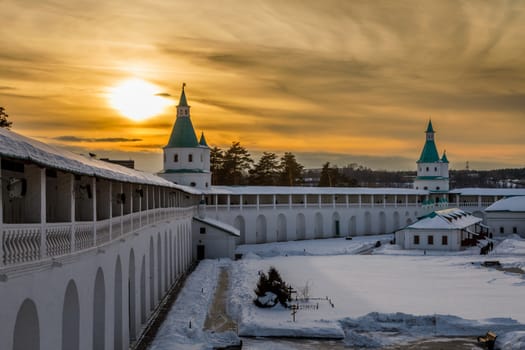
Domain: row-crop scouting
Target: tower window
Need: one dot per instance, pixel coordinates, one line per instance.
(193, 184)
(427, 169)
(437, 188)
(435, 169)
(425, 188)
(175, 158)
(190, 158)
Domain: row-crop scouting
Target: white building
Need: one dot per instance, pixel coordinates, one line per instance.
(440, 230)
(507, 216)
(186, 160)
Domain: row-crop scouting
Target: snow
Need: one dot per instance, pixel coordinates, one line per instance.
(447, 219)
(475, 191)
(390, 296)
(283, 190)
(16, 146)
(220, 225)
(515, 204)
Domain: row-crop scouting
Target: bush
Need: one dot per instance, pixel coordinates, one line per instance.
(271, 289)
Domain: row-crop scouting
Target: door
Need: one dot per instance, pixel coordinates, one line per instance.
(200, 252)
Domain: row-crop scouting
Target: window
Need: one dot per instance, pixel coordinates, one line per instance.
(430, 240)
(416, 239)
(190, 158)
(427, 168)
(425, 188)
(514, 229)
(206, 186)
(501, 230)
(444, 240)
(437, 188)
(203, 230)
(175, 158)
(435, 169)
(193, 184)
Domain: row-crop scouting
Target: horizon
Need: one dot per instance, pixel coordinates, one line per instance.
(343, 82)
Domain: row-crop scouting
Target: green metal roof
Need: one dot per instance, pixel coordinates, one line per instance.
(444, 159)
(430, 153)
(183, 134)
(182, 100)
(183, 171)
(202, 141)
(429, 127)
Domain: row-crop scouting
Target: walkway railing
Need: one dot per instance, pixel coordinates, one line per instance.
(23, 243)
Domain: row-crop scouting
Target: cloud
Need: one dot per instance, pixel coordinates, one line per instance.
(68, 138)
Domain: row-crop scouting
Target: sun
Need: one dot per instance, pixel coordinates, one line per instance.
(137, 99)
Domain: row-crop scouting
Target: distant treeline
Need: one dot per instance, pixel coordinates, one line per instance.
(235, 166)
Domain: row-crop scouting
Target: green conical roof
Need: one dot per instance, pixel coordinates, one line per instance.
(202, 141)
(182, 100)
(183, 134)
(429, 127)
(444, 159)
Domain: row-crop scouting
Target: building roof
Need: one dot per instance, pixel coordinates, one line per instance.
(219, 225)
(446, 219)
(284, 190)
(182, 101)
(202, 141)
(444, 159)
(474, 191)
(429, 153)
(511, 204)
(183, 134)
(16, 146)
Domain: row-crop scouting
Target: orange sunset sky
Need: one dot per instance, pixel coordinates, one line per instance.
(340, 81)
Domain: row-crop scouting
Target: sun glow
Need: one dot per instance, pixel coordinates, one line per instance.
(137, 99)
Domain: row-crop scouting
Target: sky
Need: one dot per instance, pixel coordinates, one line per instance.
(339, 81)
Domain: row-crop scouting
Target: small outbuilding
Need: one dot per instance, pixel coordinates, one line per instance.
(447, 229)
(507, 216)
(213, 239)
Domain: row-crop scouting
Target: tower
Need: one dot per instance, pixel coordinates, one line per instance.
(186, 160)
(432, 171)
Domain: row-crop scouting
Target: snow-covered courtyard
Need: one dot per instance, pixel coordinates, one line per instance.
(382, 297)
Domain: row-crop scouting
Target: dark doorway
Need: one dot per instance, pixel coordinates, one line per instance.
(200, 252)
(337, 230)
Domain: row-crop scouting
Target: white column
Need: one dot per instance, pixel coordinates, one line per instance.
(346, 199)
(305, 198)
(1, 218)
(360, 201)
(131, 206)
(110, 211)
(395, 200)
(147, 204)
(290, 201)
(333, 201)
(228, 202)
(121, 210)
(72, 209)
(94, 199)
(43, 212)
(479, 201)
(140, 206)
(240, 201)
(372, 200)
(319, 200)
(257, 199)
(274, 199)
(406, 200)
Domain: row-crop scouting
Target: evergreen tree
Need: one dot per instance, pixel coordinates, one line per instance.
(271, 283)
(216, 165)
(4, 123)
(327, 176)
(266, 171)
(291, 171)
(236, 164)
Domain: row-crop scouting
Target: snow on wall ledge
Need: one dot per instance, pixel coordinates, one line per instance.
(13, 145)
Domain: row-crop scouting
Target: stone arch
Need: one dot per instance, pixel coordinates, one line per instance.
(260, 229)
(281, 228)
(352, 226)
(132, 309)
(318, 229)
(397, 224)
(99, 311)
(71, 318)
(382, 222)
(159, 267)
(117, 307)
(143, 290)
(27, 329)
(151, 274)
(300, 230)
(336, 224)
(240, 225)
(368, 223)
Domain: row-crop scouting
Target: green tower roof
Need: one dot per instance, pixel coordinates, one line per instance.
(202, 141)
(182, 100)
(183, 134)
(444, 159)
(429, 153)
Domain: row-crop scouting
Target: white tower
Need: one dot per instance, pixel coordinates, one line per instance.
(432, 171)
(186, 160)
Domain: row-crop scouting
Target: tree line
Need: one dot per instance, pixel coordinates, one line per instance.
(235, 166)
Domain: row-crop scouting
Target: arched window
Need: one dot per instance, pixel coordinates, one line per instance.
(427, 169)
(175, 158)
(435, 169)
(193, 184)
(425, 188)
(190, 158)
